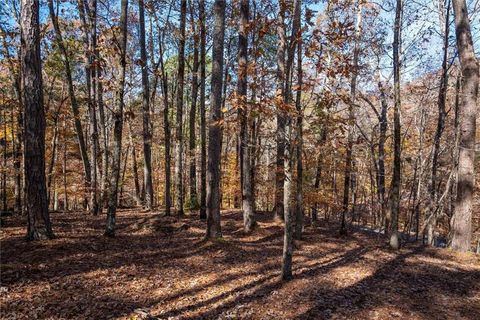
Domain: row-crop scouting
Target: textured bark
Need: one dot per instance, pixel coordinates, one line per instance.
(299, 125)
(215, 125)
(71, 94)
(203, 130)
(395, 194)
(136, 180)
(147, 126)
(118, 124)
(39, 225)
(462, 220)
(280, 94)
(192, 118)
(243, 111)
(179, 112)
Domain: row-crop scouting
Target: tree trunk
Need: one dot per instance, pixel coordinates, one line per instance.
(192, 118)
(462, 220)
(71, 94)
(39, 226)
(136, 180)
(243, 111)
(147, 126)
(442, 96)
(203, 130)
(279, 101)
(179, 112)
(118, 124)
(215, 125)
(395, 195)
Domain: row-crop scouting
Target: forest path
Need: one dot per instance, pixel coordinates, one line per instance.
(160, 268)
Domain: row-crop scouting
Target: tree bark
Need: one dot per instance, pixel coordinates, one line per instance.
(462, 220)
(147, 126)
(203, 130)
(179, 112)
(395, 195)
(215, 125)
(118, 124)
(39, 226)
(243, 112)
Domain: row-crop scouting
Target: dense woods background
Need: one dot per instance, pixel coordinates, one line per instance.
(340, 116)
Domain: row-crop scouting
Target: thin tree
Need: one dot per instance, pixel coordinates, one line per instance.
(247, 199)
(203, 127)
(179, 111)
(395, 195)
(147, 134)
(462, 219)
(39, 226)
(215, 125)
(118, 124)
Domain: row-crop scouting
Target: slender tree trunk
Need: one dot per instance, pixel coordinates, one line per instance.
(395, 195)
(179, 112)
(215, 125)
(203, 130)
(64, 169)
(299, 127)
(243, 111)
(71, 93)
(118, 124)
(462, 220)
(381, 148)
(192, 118)
(442, 96)
(147, 134)
(279, 100)
(136, 180)
(39, 226)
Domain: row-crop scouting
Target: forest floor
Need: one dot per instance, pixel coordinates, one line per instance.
(160, 268)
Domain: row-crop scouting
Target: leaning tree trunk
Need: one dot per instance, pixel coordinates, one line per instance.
(245, 162)
(179, 112)
(39, 225)
(215, 125)
(203, 130)
(395, 196)
(462, 220)
(118, 125)
(147, 126)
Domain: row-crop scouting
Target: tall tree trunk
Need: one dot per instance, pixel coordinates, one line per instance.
(395, 195)
(179, 112)
(381, 148)
(118, 124)
(192, 117)
(215, 125)
(147, 126)
(39, 226)
(462, 220)
(136, 180)
(279, 101)
(299, 126)
(71, 94)
(442, 96)
(243, 110)
(64, 168)
(203, 126)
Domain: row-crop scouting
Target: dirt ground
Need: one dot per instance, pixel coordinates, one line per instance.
(160, 268)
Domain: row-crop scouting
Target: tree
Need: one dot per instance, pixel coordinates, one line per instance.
(118, 123)
(179, 111)
(39, 226)
(245, 161)
(147, 126)
(203, 126)
(215, 125)
(462, 219)
(395, 198)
